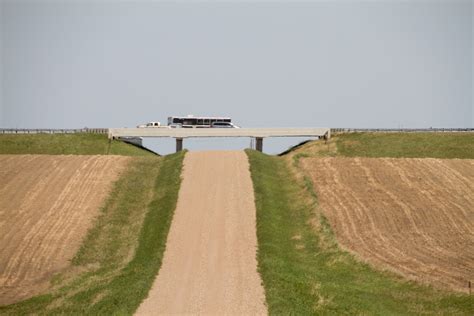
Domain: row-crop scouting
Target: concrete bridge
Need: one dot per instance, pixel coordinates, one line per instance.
(181, 133)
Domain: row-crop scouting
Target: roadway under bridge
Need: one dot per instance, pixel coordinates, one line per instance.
(181, 133)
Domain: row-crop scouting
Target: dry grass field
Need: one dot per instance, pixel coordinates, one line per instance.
(409, 215)
(47, 204)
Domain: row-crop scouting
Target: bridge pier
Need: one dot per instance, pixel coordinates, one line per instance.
(259, 144)
(179, 144)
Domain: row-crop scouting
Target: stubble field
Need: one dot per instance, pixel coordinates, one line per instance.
(412, 216)
(47, 204)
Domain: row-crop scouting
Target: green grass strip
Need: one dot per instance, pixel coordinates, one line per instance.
(67, 144)
(123, 251)
(407, 145)
(305, 273)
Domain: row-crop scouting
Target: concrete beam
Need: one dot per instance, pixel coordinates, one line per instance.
(217, 132)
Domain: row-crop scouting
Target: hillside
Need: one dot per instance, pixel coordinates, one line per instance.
(67, 144)
(418, 196)
(305, 271)
(102, 217)
(403, 204)
(315, 207)
(47, 204)
(410, 215)
(121, 253)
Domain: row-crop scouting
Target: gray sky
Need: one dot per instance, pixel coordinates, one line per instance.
(269, 64)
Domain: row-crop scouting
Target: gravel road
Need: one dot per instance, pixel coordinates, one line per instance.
(210, 265)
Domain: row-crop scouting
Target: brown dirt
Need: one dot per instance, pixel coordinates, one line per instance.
(47, 204)
(210, 266)
(412, 216)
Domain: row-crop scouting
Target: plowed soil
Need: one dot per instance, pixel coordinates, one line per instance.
(210, 266)
(412, 216)
(47, 204)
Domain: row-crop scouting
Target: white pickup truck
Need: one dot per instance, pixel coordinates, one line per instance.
(151, 124)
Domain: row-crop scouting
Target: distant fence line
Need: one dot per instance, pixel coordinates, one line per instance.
(401, 130)
(53, 130)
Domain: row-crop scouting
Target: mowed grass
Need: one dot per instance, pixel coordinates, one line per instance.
(408, 145)
(303, 270)
(394, 145)
(121, 255)
(67, 144)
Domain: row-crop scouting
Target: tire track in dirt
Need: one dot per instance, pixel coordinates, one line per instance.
(371, 235)
(66, 200)
(47, 204)
(414, 222)
(25, 252)
(21, 182)
(31, 183)
(210, 265)
(412, 216)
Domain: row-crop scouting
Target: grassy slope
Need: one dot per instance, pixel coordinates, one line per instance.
(303, 270)
(410, 145)
(66, 144)
(120, 257)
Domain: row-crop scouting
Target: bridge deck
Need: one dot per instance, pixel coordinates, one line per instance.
(218, 132)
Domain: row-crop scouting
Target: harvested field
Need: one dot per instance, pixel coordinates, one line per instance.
(47, 204)
(412, 216)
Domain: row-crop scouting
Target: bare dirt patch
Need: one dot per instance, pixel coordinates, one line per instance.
(210, 265)
(47, 204)
(412, 216)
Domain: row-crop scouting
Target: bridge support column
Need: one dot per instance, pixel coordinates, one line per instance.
(179, 144)
(259, 143)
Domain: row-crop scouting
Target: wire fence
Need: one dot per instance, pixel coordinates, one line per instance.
(53, 130)
(400, 130)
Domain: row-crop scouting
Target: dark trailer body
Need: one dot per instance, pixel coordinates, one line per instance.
(191, 121)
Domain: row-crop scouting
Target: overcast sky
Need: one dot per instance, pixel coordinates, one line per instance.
(68, 64)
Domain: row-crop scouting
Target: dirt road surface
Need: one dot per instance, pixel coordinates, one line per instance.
(210, 266)
(47, 204)
(412, 216)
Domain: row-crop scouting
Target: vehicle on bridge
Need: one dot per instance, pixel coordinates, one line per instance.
(191, 121)
(224, 125)
(150, 124)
